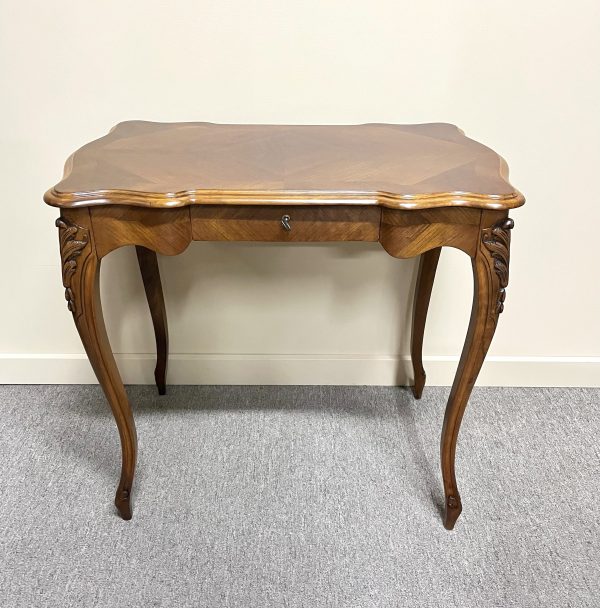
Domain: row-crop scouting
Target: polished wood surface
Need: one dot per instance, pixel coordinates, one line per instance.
(166, 231)
(176, 164)
(405, 234)
(91, 226)
(285, 224)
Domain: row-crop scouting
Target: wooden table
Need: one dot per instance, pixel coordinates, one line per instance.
(414, 188)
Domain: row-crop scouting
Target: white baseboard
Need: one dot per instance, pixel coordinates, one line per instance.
(300, 369)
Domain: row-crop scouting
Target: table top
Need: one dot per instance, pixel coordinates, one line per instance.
(177, 164)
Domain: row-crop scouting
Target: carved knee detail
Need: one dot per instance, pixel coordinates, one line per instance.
(496, 240)
(74, 240)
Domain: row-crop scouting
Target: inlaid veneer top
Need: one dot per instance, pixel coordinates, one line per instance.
(177, 164)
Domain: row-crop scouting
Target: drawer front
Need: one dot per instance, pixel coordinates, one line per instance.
(285, 223)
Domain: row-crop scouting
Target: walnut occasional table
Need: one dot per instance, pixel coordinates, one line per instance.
(414, 188)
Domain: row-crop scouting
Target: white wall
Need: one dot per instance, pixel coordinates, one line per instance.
(522, 77)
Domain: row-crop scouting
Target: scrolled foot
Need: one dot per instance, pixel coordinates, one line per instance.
(453, 510)
(419, 385)
(161, 384)
(123, 503)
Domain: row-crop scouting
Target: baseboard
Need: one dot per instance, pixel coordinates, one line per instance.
(300, 369)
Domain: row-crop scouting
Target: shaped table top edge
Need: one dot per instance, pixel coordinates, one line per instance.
(251, 197)
(507, 200)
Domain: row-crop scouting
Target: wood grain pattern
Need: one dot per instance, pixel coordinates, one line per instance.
(304, 224)
(166, 231)
(397, 166)
(406, 234)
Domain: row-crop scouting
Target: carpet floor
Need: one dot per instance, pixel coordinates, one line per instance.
(290, 496)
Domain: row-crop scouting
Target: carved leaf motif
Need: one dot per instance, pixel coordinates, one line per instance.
(73, 239)
(497, 241)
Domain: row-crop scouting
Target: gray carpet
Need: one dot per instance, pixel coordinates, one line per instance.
(299, 497)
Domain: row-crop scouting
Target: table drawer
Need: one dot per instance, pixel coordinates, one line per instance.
(285, 223)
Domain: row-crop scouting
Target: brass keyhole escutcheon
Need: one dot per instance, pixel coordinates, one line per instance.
(285, 222)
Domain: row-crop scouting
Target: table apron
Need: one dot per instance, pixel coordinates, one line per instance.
(405, 234)
(402, 233)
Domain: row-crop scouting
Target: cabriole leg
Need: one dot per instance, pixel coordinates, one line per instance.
(81, 274)
(427, 267)
(154, 294)
(490, 274)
